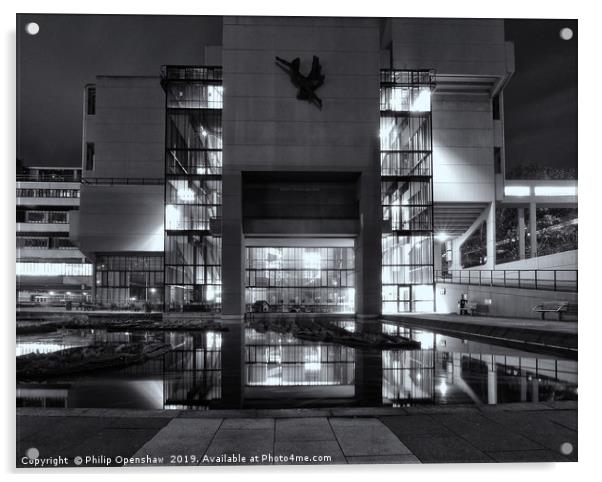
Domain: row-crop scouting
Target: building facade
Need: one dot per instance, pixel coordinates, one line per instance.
(50, 268)
(346, 181)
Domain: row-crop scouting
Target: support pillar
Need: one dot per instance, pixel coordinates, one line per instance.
(521, 233)
(491, 237)
(232, 247)
(523, 388)
(533, 228)
(368, 257)
(232, 364)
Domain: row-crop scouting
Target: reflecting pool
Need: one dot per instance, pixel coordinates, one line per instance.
(244, 368)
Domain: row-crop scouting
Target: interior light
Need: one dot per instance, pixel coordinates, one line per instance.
(442, 388)
(186, 194)
(311, 260)
(172, 216)
(422, 103)
(517, 191)
(555, 190)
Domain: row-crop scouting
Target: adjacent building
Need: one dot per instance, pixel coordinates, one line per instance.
(228, 187)
(50, 268)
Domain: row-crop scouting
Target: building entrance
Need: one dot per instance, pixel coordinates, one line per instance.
(305, 276)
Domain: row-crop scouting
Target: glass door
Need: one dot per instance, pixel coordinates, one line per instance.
(404, 298)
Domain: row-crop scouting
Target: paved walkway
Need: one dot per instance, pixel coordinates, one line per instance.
(550, 326)
(541, 432)
(557, 336)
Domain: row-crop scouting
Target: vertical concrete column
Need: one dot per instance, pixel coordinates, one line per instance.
(521, 233)
(93, 290)
(535, 390)
(369, 374)
(368, 250)
(533, 227)
(232, 247)
(491, 236)
(233, 382)
(491, 385)
(437, 249)
(523, 388)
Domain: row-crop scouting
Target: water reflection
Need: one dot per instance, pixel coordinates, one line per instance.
(244, 368)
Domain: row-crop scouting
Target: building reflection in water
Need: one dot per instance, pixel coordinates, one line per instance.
(242, 367)
(192, 372)
(451, 370)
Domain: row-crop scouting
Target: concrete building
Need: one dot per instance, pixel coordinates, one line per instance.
(50, 268)
(232, 186)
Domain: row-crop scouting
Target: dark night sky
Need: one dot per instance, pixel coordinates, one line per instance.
(70, 50)
(541, 98)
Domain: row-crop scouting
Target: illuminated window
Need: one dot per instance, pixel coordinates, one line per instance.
(292, 279)
(126, 280)
(517, 191)
(406, 190)
(53, 269)
(193, 188)
(555, 190)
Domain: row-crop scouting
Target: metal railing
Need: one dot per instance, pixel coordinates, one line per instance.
(111, 181)
(536, 279)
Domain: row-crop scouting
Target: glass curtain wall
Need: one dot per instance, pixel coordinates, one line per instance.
(406, 190)
(129, 281)
(193, 188)
(291, 279)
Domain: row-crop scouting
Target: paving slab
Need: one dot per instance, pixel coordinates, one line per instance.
(366, 411)
(566, 418)
(54, 434)
(452, 449)
(111, 443)
(217, 414)
(304, 430)
(416, 425)
(246, 443)
(184, 437)
(485, 434)
(313, 450)
(384, 459)
(538, 427)
(293, 412)
(248, 424)
(543, 455)
(369, 436)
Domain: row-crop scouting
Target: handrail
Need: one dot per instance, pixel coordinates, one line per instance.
(124, 180)
(537, 279)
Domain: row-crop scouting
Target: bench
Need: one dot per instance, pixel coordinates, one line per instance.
(551, 307)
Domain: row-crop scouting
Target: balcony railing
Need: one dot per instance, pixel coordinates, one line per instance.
(536, 279)
(111, 181)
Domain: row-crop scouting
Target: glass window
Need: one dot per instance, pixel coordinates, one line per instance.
(90, 156)
(291, 279)
(556, 230)
(129, 281)
(91, 100)
(406, 189)
(473, 251)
